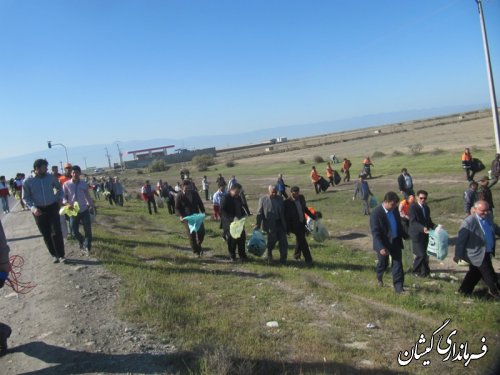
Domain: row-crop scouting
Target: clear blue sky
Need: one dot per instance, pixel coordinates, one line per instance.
(93, 71)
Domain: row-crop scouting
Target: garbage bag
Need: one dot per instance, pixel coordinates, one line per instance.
(320, 233)
(257, 243)
(236, 228)
(438, 243)
(194, 222)
(65, 210)
(373, 202)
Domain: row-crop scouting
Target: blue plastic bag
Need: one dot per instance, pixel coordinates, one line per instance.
(257, 243)
(194, 222)
(373, 202)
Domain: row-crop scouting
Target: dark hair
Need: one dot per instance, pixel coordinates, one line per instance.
(76, 168)
(186, 182)
(295, 189)
(422, 192)
(391, 197)
(2, 177)
(473, 183)
(39, 163)
(404, 170)
(236, 186)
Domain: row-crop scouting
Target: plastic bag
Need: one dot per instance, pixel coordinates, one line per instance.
(257, 243)
(373, 202)
(93, 214)
(194, 222)
(438, 243)
(159, 203)
(237, 227)
(65, 210)
(320, 233)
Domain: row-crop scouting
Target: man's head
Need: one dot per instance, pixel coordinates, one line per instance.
(497, 156)
(76, 171)
(295, 190)
(147, 182)
(40, 166)
(235, 190)
(362, 177)
(391, 201)
(273, 191)
(484, 181)
(55, 169)
(67, 169)
(186, 185)
(2, 179)
(313, 168)
(481, 208)
(473, 185)
(422, 196)
(116, 179)
(404, 171)
(280, 175)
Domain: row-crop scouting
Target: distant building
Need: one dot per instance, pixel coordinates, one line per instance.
(150, 153)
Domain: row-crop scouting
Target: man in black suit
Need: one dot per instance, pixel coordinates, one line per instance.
(405, 183)
(232, 208)
(420, 224)
(387, 234)
(271, 215)
(295, 208)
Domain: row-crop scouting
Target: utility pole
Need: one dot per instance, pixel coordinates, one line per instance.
(489, 71)
(62, 169)
(109, 158)
(120, 154)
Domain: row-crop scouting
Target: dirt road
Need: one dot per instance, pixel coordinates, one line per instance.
(67, 324)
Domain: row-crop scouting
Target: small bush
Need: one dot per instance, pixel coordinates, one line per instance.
(158, 165)
(202, 162)
(416, 148)
(140, 171)
(230, 164)
(302, 161)
(437, 151)
(318, 159)
(397, 153)
(378, 154)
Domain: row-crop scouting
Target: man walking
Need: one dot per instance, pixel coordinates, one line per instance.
(484, 193)
(420, 224)
(77, 191)
(4, 195)
(118, 192)
(188, 202)
(387, 234)
(148, 194)
(295, 211)
(232, 209)
(110, 191)
(476, 245)
(271, 215)
(315, 178)
(405, 183)
(470, 197)
(43, 194)
(364, 193)
(282, 186)
(204, 186)
(346, 166)
(495, 170)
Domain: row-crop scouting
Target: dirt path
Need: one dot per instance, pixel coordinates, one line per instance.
(68, 323)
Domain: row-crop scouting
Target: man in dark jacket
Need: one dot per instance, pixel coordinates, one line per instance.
(495, 170)
(405, 183)
(188, 202)
(271, 215)
(295, 208)
(484, 193)
(387, 234)
(5, 330)
(470, 197)
(420, 224)
(232, 207)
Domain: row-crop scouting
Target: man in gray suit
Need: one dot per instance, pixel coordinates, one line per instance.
(476, 245)
(271, 215)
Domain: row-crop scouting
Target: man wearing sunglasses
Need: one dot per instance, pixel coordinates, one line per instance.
(420, 224)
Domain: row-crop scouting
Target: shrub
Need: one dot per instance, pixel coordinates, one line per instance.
(397, 153)
(230, 164)
(437, 151)
(158, 165)
(378, 154)
(302, 161)
(415, 149)
(318, 159)
(202, 162)
(140, 171)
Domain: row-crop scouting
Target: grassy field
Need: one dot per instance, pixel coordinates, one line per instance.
(216, 311)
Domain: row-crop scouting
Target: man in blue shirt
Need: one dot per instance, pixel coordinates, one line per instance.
(387, 234)
(42, 194)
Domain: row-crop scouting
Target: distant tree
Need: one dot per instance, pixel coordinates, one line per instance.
(202, 162)
(416, 148)
(318, 159)
(158, 165)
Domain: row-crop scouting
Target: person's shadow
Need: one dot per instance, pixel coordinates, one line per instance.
(67, 361)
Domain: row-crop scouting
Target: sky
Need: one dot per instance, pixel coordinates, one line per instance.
(96, 72)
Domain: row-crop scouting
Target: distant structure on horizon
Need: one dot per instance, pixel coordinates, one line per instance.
(150, 153)
(143, 158)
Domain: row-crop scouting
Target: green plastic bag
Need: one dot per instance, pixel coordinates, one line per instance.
(257, 243)
(373, 202)
(438, 243)
(194, 222)
(236, 228)
(320, 233)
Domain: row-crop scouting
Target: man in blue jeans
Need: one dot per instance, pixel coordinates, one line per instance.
(77, 191)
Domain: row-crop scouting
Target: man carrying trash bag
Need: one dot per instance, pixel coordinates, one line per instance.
(233, 222)
(295, 209)
(188, 203)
